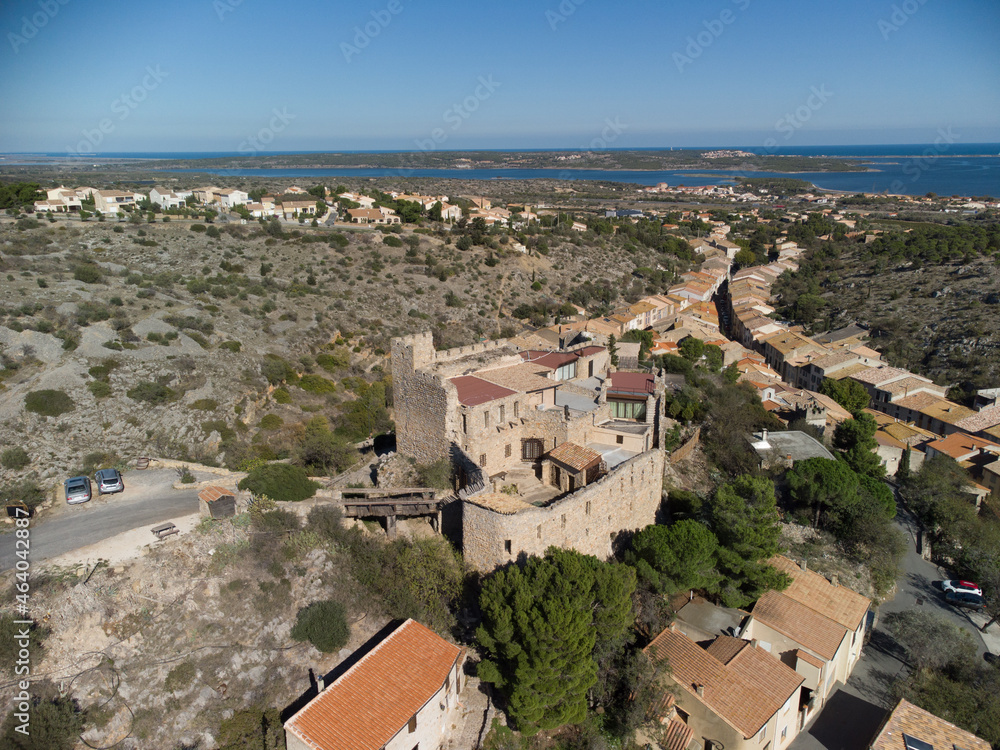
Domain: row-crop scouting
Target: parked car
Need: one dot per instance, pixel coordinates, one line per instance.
(77, 490)
(961, 586)
(109, 481)
(964, 599)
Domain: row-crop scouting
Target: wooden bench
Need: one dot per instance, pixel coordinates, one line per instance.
(164, 530)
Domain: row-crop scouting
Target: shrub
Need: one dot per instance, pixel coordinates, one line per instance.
(331, 362)
(281, 482)
(232, 346)
(325, 520)
(276, 522)
(15, 458)
(252, 727)
(271, 422)
(27, 491)
(324, 625)
(48, 403)
(205, 404)
(437, 474)
(152, 393)
(99, 388)
(392, 241)
(9, 646)
(88, 273)
(282, 396)
(180, 677)
(317, 384)
(198, 227)
(55, 725)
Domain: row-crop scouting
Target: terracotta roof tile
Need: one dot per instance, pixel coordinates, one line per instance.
(803, 625)
(368, 704)
(923, 725)
(213, 492)
(745, 696)
(839, 603)
(473, 391)
(677, 735)
(808, 658)
(575, 456)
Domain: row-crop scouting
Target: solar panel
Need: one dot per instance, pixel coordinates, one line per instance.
(912, 743)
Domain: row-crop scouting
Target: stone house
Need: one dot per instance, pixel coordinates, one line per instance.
(502, 416)
(401, 693)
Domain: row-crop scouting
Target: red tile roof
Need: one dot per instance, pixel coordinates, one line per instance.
(923, 725)
(631, 383)
(368, 704)
(839, 603)
(745, 693)
(677, 735)
(213, 492)
(575, 456)
(473, 391)
(803, 625)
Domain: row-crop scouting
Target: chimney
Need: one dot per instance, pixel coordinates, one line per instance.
(803, 565)
(753, 642)
(700, 689)
(835, 579)
(320, 682)
(763, 435)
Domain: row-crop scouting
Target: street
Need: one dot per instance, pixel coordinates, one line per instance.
(855, 711)
(149, 498)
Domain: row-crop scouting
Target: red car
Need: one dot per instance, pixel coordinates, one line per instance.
(961, 587)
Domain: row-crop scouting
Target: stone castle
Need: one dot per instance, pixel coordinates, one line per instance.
(548, 447)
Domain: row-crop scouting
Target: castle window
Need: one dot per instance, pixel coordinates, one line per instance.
(465, 424)
(517, 405)
(501, 413)
(482, 459)
(564, 522)
(412, 724)
(486, 418)
(507, 546)
(531, 449)
(588, 507)
(507, 451)
(538, 531)
(619, 439)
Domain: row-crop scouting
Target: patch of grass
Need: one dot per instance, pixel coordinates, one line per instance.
(317, 384)
(282, 396)
(205, 404)
(48, 403)
(88, 273)
(324, 625)
(99, 388)
(280, 482)
(232, 346)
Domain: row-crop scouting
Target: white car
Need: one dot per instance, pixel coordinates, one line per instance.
(961, 587)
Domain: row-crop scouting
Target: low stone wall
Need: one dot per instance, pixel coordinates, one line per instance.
(587, 520)
(685, 450)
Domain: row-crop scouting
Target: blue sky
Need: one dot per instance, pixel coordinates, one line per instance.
(226, 75)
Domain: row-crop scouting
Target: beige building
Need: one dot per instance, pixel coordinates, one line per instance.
(403, 693)
(732, 693)
(815, 625)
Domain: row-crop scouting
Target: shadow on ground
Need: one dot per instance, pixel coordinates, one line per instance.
(847, 722)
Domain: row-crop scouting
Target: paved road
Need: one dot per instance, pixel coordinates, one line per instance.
(148, 499)
(856, 710)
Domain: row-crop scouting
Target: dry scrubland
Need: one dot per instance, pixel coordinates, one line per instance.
(95, 310)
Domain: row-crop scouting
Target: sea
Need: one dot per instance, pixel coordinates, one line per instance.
(966, 169)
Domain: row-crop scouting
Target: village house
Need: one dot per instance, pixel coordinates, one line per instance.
(373, 216)
(908, 727)
(399, 693)
(166, 199)
(114, 201)
(362, 200)
(815, 625)
(732, 692)
(291, 209)
(231, 198)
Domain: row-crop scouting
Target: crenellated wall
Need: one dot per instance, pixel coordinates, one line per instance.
(587, 520)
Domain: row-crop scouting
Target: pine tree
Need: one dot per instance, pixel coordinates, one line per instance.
(542, 625)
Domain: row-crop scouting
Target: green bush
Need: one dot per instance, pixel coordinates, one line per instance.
(15, 458)
(438, 474)
(252, 727)
(276, 522)
(198, 227)
(9, 646)
(317, 384)
(324, 625)
(48, 403)
(28, 491)
(100, 388)
(56, 724)
(152, 393)
(281, 482)
(89, 273)
(271, 422)
(325, 520)
(392, 241)
(337, 360)
(233, 346)
(180, 677)
(282, 396)
(205, 404)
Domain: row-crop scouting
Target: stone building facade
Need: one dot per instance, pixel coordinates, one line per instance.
(498, 411)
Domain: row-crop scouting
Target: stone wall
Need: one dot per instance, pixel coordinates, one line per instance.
(586, 520)
(421, 404)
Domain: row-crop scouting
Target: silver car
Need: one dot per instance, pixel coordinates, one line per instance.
(109, 481)
(77, 490)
